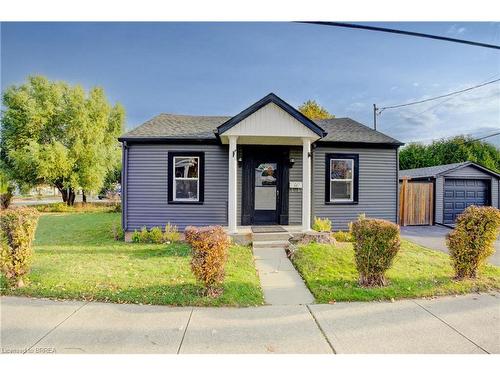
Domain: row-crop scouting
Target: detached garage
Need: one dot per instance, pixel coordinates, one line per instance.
(454, 187)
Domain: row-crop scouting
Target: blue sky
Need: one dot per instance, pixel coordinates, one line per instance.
(221, 68)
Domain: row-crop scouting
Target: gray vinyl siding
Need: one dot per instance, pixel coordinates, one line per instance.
(468, 172)
(147, 188)
(295, 195)
(495, 199)
(439, 199)
(378, 185)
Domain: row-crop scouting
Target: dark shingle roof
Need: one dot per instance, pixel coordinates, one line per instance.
(430, 171)
(168, 126)
(440, 170)
(347, 130)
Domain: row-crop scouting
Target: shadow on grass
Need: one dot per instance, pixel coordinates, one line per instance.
(139, 251)
(184, 294)
(326, 290)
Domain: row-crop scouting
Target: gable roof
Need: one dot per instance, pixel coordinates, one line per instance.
(347, 130)
(271, 98)
(440, 170)
(171, 128)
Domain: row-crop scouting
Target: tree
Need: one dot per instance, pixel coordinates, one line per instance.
(447, 151)
(6, 188)
(59, 134)
(314, 111)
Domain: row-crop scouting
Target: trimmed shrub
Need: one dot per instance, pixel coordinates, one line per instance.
(117, 232)
(144, 235)
(136, 237)
(472, 240)
(376, 243)
(209, 250)
(322, 225)
(17, 231)
(343, 236)
(171, 234)
(155, 235)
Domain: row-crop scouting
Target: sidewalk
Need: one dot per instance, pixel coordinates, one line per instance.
(464, 324)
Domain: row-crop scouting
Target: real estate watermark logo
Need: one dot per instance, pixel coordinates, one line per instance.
(48, 350)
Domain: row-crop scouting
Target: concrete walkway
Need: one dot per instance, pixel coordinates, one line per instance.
(280, 281)
(464, 324)
(434, 237)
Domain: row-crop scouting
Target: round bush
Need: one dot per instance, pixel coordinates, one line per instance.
(17, 231)
(472, 240)
(376, 243)
(209, 250)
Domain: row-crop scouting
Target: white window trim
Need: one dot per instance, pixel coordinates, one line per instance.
(174, 180)
(351, 180)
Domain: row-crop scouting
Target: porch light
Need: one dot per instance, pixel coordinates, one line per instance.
(291, 162)
(240, 161)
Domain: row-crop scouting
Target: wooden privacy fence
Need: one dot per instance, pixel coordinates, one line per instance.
(416, 202)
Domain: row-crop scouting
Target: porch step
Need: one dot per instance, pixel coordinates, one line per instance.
(279, 236)
(270, 244)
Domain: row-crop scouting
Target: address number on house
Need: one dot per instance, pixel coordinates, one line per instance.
(295, 184)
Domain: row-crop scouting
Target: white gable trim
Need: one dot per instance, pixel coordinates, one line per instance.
(270, 121)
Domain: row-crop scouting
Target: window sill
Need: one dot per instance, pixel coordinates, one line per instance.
(341, 203)
(184, 202)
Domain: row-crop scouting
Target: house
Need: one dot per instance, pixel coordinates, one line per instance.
(455, 187)
(267, 165)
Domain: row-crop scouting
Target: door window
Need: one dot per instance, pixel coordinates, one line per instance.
(265, 186)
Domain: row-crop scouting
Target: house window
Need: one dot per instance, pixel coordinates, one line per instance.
(341, 178)
(185, 177)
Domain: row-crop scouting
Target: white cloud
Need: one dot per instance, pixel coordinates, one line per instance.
(456, 30)
(416, 84)
(468, 113)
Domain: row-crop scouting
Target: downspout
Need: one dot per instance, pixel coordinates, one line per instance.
(124, 184)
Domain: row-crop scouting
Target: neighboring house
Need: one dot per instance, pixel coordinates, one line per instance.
(267, 165)
(457, 186)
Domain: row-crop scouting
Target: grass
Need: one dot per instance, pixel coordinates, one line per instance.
(75, 257)
(330, 274)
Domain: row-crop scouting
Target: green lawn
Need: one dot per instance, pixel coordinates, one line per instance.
(76, 257)
(330, 274)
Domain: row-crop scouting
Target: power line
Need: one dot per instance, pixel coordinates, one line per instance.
(437, 97)
(396, 31)
(450, 98)
(486, 136)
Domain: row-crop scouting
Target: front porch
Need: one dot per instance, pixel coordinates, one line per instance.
(259, 183)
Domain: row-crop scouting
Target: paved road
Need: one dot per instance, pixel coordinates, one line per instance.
(51, 200)
(464, 324)
(434, 237)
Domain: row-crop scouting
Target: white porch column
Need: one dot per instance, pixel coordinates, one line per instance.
(306, 184)
(233, 168)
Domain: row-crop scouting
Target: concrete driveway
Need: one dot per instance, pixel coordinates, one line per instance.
(463, 324)
(434, 237)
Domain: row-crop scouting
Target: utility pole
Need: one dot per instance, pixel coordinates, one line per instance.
(375, 109)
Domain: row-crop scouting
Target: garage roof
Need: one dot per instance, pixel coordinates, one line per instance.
(440, 170)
